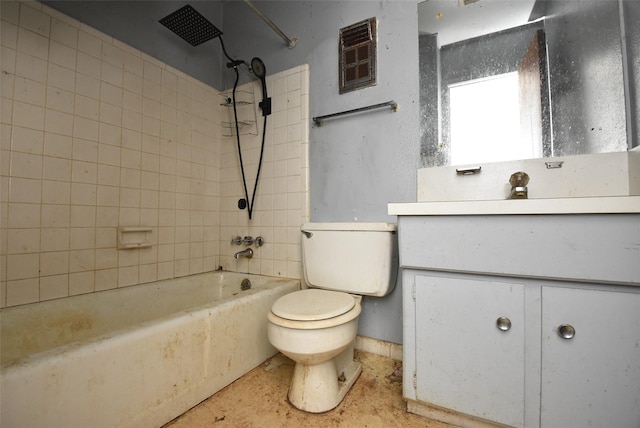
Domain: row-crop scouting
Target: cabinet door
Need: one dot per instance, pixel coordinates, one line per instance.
(593, 378)
(464, 361)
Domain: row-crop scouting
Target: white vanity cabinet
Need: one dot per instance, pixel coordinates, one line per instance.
(522, 320)
(590, 358)
(470, 343)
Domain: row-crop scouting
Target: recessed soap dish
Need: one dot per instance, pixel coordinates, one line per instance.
(130, 237)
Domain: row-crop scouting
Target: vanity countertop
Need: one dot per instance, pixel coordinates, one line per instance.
(595, 205)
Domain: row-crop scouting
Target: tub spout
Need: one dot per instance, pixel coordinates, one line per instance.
(248, 253)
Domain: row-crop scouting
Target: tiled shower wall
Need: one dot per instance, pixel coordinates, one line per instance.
(96, 135)
(281, 204)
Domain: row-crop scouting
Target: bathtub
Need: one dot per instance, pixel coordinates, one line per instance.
(132, 357)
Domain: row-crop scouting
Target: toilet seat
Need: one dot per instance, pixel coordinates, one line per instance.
(346, 306)
(313, 305)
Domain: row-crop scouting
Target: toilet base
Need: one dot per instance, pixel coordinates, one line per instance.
(320, 388)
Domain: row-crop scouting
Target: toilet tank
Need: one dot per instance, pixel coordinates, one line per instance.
(357, 258)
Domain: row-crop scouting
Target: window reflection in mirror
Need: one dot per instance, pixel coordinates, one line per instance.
(581, 105)
(485, 121)
(504, 116)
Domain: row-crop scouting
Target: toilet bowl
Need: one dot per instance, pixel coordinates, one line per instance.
(317, 327)
(321, 378)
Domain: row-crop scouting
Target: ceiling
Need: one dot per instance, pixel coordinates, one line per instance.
(136, 24)
(453, 21)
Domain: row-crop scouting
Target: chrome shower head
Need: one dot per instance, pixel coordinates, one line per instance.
(189, 24)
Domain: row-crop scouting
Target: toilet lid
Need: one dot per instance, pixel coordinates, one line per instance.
(312, 305)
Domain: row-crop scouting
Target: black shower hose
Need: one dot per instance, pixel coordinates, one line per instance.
(251, 201)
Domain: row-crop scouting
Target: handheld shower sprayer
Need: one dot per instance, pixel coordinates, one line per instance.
(259, 70)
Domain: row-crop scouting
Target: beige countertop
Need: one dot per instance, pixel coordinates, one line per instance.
(596, 205)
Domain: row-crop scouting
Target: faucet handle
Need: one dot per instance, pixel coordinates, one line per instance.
(236, 240)
(247, 240)
(519, 179)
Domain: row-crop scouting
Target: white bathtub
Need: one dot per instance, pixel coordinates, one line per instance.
(132, 357)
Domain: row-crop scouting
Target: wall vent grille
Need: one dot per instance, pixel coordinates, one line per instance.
(358, 55)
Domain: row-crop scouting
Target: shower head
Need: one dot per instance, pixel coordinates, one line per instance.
(258, 68)
(189, 24)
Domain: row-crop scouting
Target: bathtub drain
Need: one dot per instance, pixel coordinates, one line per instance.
(246, 284)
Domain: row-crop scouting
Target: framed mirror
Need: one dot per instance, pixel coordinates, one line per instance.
(517, 79)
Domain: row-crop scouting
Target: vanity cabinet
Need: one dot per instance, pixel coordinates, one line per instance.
(470, 347)
(489, 337)
(590, 358)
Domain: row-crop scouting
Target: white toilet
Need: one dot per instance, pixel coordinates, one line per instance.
(317, 327)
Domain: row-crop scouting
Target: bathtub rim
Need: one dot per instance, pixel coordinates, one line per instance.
(53, 352)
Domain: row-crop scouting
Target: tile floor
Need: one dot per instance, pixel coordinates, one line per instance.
(259, 399)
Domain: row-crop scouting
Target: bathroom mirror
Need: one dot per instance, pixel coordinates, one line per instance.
(517, 79)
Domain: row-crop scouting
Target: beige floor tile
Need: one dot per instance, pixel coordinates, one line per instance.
(259, 399)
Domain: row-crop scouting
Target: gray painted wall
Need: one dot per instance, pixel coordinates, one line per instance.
(359, 163)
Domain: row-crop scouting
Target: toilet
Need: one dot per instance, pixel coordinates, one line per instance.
(317, 327)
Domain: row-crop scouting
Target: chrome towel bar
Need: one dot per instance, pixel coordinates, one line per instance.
(319, 119)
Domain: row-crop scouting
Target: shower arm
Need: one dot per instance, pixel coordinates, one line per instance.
(291, 43)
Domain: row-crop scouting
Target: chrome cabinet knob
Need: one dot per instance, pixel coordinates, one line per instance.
(566, 331)
(503, 323)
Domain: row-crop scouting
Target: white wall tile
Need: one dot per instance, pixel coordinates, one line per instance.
(10, 11)
(61, 77)
(23, 266)
(54, 287)
(111, 94)
(33, 19)
(54, 263)
(54, 239)
(62, 55)
(28, 115)
(85, 150)
(89, 44)
(31, 67)
(99, 135)
(23, 291)
(106, 279)
(27, 140)
(59, 146)
(59, 99)
(22, 241)
(81, 283)
(32, 43)
(55, 215)
(56, 192)
(64, 33)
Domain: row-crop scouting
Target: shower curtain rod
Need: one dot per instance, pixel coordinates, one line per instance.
(291, 43)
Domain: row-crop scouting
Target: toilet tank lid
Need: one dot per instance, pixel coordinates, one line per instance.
(351, 226)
